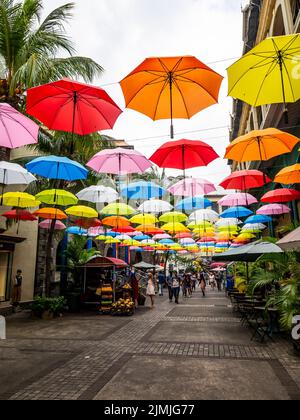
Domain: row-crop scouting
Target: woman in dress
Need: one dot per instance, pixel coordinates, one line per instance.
(151, 289)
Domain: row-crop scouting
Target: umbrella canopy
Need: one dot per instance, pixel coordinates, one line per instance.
(175, 217)
(166, 242)
(143, 191)
(273, 210)
(258, 219)
(47, 225)
(245, 180)
(74, 107)
(82, 211)
(19, 199)
(57, 197)
(162, 236)
(55, 167)
(283, 195)
(76, 230)
(289, 176)
(237, 212)
(228, 222)
(13, 174)
(183, 235)
(261, 145)
(175, 227)
(269, 69)
(254, 227)
(171, 87)
(125, 229)
(16, 130)
(191, 187)
(96, 231)
(192, 204)
(23, 215)
(150, 230)
(204, 215)
(238, 199)
(144, 219)
(98, 194)
(52, 214)
(116, 221)
(118, 209)
(155, 206)
(249, 253)
(184, 154)
(291, 241)
(119, 161)
(88, 223)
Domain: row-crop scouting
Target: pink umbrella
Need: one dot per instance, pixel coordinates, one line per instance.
(161, 237)
(238, 199)
(273, 210)
(16, 130)
(46, 224)
(135, 233)
(191, 187)
(96, 231)
(119, 161)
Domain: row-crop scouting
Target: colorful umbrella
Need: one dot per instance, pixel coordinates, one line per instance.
(245, 180)
(171, 87)
(150, 230)
(238, 199)
(22, 215)
(74, 107)
(98, 194)
(88, 223)
(269, 69)
(125, 229)
(283, 195)
(204, 215)
(82, 211)
(228, 222)
(191, 187)
(236, 212)
(289, 176)
(13, 174)
(143, 191)
(146, 219)
(96, 231)
(192, 204)
(55, 167)
(258, 219)
(162, 236)
(57, 197)
(47, 224)
(274, 210)
(19, 199)
(16, 130)
(175, 227)
(118, 209)
(201, 224)
(141, 237)
(52, 214)
(155, 206)
(182, 235)
(175, 217)
(116, 221)
(254, 227)
(75, 230)
(261, 145)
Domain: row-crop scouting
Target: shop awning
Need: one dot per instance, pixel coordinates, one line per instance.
(291, 241)
(105, 262)
(249, 253)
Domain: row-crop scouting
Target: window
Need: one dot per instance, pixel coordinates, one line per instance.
(4, 268)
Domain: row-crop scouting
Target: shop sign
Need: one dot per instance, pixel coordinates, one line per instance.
(296, 329)
(2, 328)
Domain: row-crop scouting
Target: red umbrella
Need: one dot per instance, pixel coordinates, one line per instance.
(125, 229)
(74, 107)
(183, 235)
(245, 180)
(283, 195)
(206, 239)
(184, 154)
(88, 223)
(23, 215)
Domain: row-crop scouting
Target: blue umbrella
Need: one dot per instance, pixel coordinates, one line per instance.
(258, 219)
(193, 203)
(143, 191)
(166, 242)
(236, 212)
(55, 167)
(75, 230)
(113, 234)
(141, 237)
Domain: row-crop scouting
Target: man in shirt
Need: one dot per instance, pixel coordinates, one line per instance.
(17, 288)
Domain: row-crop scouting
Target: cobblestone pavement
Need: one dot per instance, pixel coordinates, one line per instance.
(199, 344)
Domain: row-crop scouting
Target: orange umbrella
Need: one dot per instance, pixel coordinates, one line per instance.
(116, 222)
(52, 214)
(150, 230)
(171, 87)
(261, 145)
(288, 176)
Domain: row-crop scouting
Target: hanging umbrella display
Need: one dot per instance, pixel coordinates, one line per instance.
(118, 209)
(144, 219)
(19, 199)
(192, 204)
(261, 145)
(52, 214)
(150, 230)
(56, 167)
(46, 224)
(19, 215)
(57, 197)
(162, 236)
(236, 212)
(228, 222)
(143, 191)
(258, 219)
(274, 210)
(174, 228)
(182, 235)
(66, 105)
(98, 194)
(125, 229)
(13, 174)
(283, 195)
(204, 215)
(116, 221)
(245, 180)
(238, 199)
(82, 212)
(269, 69)
(16, 130)
(95, 231)
(289, 176)
(254, 227)
(171, 87)
(155, 207)
(201, 224)
(175, 217)
(75, 230)
(88, 223)
(191, 187)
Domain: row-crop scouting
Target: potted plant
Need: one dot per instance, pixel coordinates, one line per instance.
(48, 308)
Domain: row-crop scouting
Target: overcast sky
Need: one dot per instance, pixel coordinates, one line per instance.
(120, 34)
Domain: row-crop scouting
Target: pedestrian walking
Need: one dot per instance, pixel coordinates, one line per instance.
(212, 281)
(161, 283)
(219, 281)
(203, 284)
(176, 287)
(17, 288)
(135, 287)
(151, 289)
(170, 286)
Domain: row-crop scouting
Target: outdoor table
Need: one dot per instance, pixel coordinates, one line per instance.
(272, 323)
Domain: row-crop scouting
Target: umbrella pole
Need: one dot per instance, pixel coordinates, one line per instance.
(73, 123)
(286, 113)
(3, 185)
(171, 103)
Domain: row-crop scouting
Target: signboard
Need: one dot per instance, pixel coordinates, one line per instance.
(296, 329)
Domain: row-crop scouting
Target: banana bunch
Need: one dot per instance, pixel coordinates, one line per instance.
(123, 306)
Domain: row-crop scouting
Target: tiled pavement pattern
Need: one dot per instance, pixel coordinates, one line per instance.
(89, 361)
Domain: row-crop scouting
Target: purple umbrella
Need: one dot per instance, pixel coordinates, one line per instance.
(191, 187)
(273, 210)
(16, 130)
(46, 224)
(238, 199)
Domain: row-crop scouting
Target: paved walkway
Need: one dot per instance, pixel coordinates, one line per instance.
(196, 350)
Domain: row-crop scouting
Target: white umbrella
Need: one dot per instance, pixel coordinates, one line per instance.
(14, 174)
(98, 194)
(148, 242)
(123, 237)
(255, 226)
(204, 215)
(155, 206)
(228, 222)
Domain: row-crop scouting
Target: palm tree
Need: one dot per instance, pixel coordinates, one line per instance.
(30, 48)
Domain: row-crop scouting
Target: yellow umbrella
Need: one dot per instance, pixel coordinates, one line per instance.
(19, 199)
(82, 212)
(144, 219)
(101, 238)
(118, 209)
(111, 241)
(174, 217)
(203, 224)
(57, 197)
(246, 236)
(131, 242)
(175, 228)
